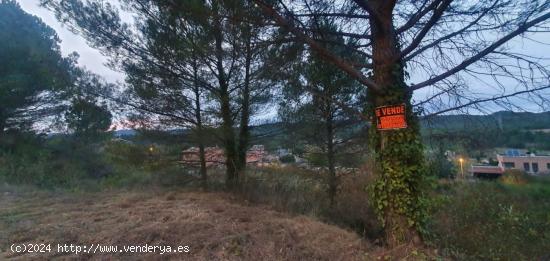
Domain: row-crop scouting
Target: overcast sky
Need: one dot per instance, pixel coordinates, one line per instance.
(89, 57)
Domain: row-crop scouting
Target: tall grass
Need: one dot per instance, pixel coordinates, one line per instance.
(301, 191)
(494, 221)
(502, 220)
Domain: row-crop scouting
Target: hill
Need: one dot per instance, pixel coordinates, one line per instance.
(504, 128)
(503, 120)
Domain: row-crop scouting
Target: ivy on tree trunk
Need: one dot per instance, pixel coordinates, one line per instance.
(399, 153)
(397, 192)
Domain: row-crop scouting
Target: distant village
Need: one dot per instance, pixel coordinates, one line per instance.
(518, 159)
(507, 159)
(256, 156)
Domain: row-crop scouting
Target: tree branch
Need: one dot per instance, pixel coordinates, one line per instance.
(438, 12)
(521, 29)
(488, 99)
(417, 16)
(344, 15)
(446, 37)
(345, 66)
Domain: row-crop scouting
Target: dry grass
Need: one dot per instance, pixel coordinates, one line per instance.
(214, 225)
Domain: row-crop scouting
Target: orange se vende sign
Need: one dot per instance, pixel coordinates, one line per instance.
(390, 117)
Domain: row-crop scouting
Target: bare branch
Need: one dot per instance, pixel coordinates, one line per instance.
(521, 29)
(344, 15)
(438, 12)
(495, 98)
(348, 68)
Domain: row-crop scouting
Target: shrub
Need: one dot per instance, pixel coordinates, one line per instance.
(40, 169)
(288, 189)
(317, 159)
(125, 153)
(287, 159)
(353, 209)
(28, 159)
(513, 176)
(492, 221)
(439, 166)
(302, 191)
(127, 177)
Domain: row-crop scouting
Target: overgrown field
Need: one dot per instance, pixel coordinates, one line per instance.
(101, 187)
(493, 221)
(213, 225)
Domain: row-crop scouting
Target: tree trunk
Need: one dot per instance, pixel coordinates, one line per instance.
(199, 129)
(225, 105)
(2, 124)
(3, 118)
(229, 142)
(332, 179)
(399, 153)
(202, 158)
(244, 132)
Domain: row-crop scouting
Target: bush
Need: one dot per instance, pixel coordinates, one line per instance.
(38, 169)
(301, 191)
(513, 176)
(135, 166)
(317, 159)
(288, 189)
(493, 221)
(27, 159)
(439, 166)
(67, 163)
(352, 208)
(125, 153)
(287, 159)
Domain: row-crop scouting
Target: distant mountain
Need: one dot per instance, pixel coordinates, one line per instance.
(132, 132)
(273, 133)
(504, 120)
(122, 133)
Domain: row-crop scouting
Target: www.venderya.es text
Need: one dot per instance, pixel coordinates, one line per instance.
(97, 248)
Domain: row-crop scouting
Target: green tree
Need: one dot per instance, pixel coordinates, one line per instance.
(317, 99)
(33, 73)
(184, 59)
(86, 118)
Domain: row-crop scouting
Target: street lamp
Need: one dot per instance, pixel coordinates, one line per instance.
(461, 160)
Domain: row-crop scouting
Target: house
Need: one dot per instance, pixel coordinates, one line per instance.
(528, 162)
(488, 172)
(258, 156)
(514, 159)
(215, 156)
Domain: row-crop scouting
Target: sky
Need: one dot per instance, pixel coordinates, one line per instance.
(95, 61)
(89, 57)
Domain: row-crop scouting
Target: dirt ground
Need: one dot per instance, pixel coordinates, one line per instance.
(214, 226)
